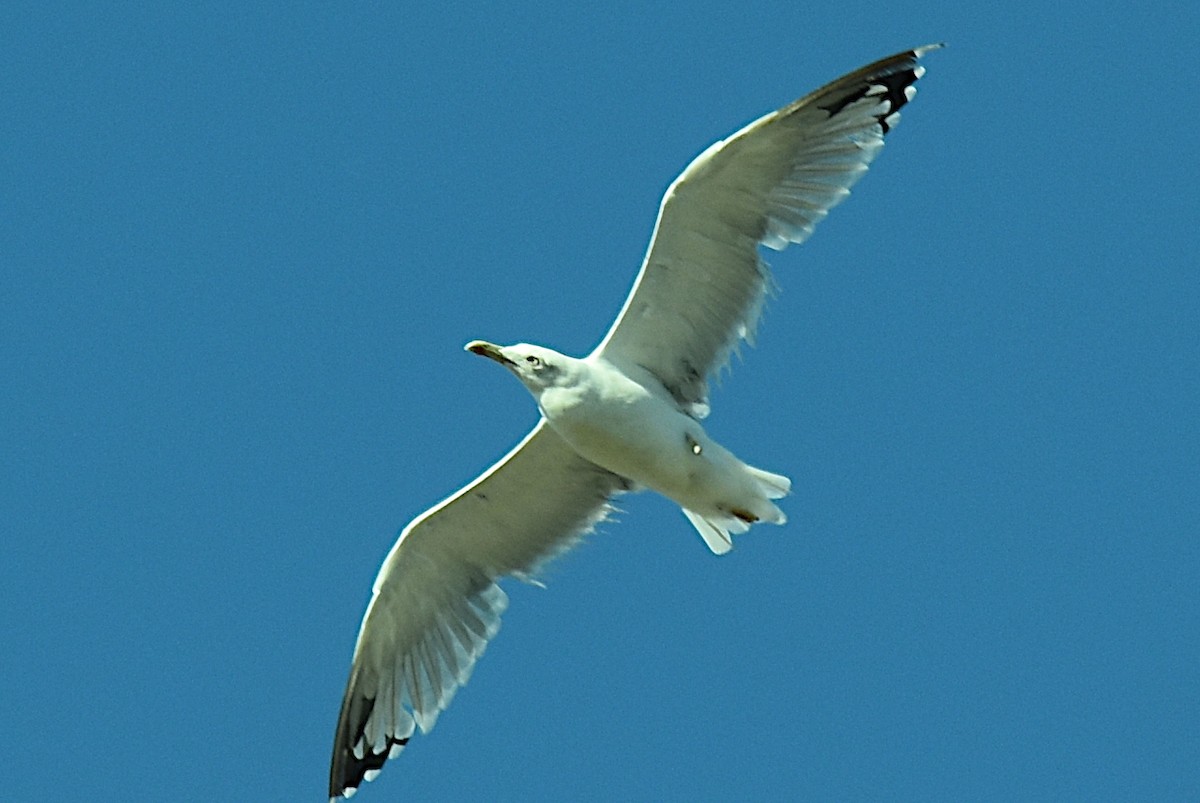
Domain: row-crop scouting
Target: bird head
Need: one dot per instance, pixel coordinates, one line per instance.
(537, 367)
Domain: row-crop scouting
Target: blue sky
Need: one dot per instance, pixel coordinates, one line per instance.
(242, 250)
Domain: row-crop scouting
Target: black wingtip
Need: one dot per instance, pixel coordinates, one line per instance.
(347, 771)
(896, 75)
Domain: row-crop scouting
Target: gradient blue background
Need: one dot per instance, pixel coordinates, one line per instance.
(242, 250)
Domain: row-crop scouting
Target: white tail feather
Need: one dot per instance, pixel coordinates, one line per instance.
(716, 532)
(774, 486)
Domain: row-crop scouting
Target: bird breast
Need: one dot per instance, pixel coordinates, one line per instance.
(622, 426)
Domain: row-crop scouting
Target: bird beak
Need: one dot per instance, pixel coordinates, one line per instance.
(489, 350)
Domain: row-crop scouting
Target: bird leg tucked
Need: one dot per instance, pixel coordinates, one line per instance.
(744, 515)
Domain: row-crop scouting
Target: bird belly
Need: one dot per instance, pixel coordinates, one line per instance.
(649, 441)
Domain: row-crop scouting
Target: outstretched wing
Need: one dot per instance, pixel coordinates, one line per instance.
(702, 284)
(436, 602)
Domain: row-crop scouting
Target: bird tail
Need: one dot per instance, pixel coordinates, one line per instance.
(773, 486)
(718, 530)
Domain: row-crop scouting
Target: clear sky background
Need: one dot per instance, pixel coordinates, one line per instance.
(242, 250)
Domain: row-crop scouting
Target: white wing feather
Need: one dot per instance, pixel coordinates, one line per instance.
(702, 284)
(436, 602)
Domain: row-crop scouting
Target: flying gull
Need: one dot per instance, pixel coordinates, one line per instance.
(625, 417)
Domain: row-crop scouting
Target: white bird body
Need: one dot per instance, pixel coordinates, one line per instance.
(629, 424)
(625, 416)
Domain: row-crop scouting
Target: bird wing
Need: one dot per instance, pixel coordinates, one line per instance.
(703, 281)
(436, 602)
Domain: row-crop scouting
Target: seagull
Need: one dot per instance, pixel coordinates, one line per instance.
(626, 417)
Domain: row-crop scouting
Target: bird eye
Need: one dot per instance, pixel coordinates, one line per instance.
(534, 361)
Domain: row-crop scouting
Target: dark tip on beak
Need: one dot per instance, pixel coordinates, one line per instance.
(489, 350)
